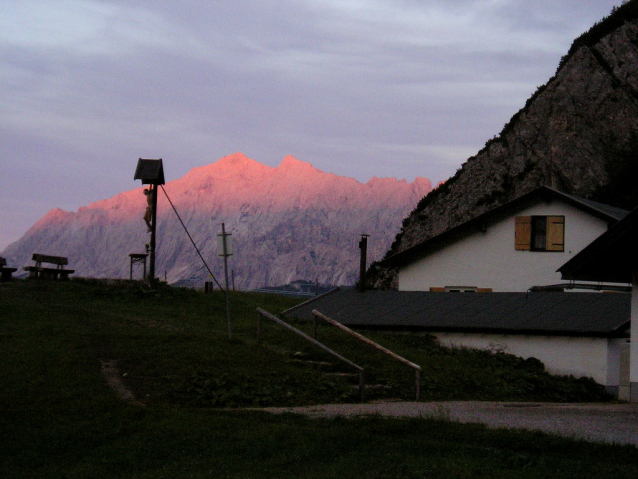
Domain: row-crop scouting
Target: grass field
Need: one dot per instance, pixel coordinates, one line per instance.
(60, 418)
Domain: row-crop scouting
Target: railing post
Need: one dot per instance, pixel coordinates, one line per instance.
(362, 387)
(316, 314)
(275, 319)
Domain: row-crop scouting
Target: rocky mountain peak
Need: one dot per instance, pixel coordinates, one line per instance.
(236, 165)
(291, 163)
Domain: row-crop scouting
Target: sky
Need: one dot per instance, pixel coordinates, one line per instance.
(359, 88)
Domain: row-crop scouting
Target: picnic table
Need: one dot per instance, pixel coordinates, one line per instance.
(6, 272)
(58, 272)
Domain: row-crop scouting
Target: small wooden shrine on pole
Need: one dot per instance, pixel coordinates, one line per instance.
(151, 172)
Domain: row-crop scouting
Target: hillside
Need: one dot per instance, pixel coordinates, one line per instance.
(577, 133)
(64, 414)
(291, 222)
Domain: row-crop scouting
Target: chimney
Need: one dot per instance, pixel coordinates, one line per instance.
(363, 246)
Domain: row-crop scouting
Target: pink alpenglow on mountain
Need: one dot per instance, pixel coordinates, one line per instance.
(291, 222)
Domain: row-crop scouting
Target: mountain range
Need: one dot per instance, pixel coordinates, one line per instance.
(291, 222)
(577, 133)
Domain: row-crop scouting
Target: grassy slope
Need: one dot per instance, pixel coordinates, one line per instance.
(59, 418)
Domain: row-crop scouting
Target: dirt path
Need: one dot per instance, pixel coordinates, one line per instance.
(609, 423)
(113, 379)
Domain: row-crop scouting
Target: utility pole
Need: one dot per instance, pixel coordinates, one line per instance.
(224, 249)
(152, 191)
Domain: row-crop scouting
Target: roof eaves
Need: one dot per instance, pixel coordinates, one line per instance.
(601, 210)
(577, 267)
(426, 246)
(616, 333)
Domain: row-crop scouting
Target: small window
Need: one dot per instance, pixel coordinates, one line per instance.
(538, 241)
(540, 233)
(460, 289)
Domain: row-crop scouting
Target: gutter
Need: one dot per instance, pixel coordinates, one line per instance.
(572, 285)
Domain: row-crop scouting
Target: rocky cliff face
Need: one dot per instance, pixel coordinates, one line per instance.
(578, 133)
(287, 223)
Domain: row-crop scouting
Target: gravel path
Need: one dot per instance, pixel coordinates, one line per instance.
(610, 423)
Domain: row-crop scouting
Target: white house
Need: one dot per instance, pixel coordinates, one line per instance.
(506, 253)
(514, 247)
(614, 257)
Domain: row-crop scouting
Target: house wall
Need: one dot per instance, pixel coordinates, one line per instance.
(489, 259)
(597, 358)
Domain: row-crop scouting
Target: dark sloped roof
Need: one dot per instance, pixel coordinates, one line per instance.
(149, 171)
(612, 211)
(611, 257)
(544, 193)
(566, 314)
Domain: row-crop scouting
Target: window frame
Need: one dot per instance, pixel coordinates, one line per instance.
(526, 234)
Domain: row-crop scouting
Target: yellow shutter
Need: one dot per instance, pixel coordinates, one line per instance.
(523, 232)
(555, 233)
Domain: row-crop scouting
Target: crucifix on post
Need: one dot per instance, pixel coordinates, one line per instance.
(151, 172)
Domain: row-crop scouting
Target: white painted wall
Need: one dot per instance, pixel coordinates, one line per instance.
(596, 358)
(489, 260)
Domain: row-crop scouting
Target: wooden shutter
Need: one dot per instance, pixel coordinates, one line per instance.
(523, 232)
(555, 233)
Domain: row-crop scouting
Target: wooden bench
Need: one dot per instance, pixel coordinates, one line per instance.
(38, 271)
(5, 273)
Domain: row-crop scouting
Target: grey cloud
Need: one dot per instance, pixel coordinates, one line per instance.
(358, 88)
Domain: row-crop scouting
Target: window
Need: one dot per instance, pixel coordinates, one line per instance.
(540, 233)
(459, 289)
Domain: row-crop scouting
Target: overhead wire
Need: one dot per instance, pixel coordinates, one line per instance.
(192, 241)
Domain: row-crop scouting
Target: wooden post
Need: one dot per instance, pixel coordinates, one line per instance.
(151, 268)
(418, 369)
(151, 172)
(259, 326)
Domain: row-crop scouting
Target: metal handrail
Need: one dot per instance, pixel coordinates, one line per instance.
(266, 314)
(418, 369)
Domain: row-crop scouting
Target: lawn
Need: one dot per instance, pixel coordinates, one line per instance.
(59, 418)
